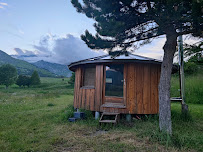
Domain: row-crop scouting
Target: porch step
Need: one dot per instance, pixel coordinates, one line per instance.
(105, 118)
(113, 105)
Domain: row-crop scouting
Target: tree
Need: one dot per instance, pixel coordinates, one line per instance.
(35, 79)
(23, 80)
(195, 49)
(194, 52)
(121, 24)
(72, 79)
(8, 75)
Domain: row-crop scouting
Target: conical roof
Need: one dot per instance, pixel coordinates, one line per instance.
(126, 57)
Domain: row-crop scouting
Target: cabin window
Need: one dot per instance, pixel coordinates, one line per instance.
(114, 80)
(89, 73)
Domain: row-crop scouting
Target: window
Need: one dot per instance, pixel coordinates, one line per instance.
(114, 80)
(88, 79)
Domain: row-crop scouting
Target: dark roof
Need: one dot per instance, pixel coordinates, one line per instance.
(109, 59)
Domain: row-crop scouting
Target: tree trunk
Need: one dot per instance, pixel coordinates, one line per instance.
(165, 79)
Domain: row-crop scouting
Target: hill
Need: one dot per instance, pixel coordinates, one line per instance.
(58, 69)
(23, 67)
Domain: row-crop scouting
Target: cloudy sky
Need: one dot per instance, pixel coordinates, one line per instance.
(50, 30)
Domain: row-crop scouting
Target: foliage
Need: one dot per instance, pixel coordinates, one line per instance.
(190, 68)
(23, 81)
(194, 50)
(8, 75)
(35, 80)
(197, 58)
(122, 23)
(72, 79)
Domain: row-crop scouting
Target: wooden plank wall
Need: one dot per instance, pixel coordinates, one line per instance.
(88, 98)
(142, 88)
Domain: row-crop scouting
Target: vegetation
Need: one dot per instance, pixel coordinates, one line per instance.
(193, 88)
(23, 67)
(35, 80)
(72, 79)
(35, 119)
(8, 75)
(23, 81)
(122, 23)
(190, 68)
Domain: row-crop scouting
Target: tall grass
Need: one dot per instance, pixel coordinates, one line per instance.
(193, 88)
(36, 119)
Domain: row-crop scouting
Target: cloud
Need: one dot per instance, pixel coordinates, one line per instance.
(21, 31)
(21, 52)
(153, 49)
(2, 5)
(58, 49)
(5, 4)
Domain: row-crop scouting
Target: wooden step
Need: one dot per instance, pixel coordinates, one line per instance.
(116, 119)
(113, 105)
(108, 113)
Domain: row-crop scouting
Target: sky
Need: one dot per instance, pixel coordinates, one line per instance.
(50, 30)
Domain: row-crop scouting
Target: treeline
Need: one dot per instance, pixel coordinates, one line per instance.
(24, 80)
(8, 76)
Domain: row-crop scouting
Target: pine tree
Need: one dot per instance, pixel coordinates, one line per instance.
(8, 75)
(123, 23)
(35, 79)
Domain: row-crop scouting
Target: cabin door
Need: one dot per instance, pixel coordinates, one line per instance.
(114, 84)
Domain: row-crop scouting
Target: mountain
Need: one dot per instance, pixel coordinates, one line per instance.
(23, 67)
(58, 69)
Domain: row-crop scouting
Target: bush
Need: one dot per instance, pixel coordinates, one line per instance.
(190, 68)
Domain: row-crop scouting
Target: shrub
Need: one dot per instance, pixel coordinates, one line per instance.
(8, 75)
(190, 68)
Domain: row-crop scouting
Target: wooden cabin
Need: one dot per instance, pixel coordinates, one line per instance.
(126, 84)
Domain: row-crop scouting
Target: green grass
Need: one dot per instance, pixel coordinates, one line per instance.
(193, 88)
(35, 119)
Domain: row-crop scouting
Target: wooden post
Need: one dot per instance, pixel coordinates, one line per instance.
(181, 73)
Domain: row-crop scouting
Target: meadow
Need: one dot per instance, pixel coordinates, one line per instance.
(35, 119)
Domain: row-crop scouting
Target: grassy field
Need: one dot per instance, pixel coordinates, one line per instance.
(35, 119)
(193, 88)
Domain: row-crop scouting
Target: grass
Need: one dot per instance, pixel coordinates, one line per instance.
(35, 119)
(193, 88)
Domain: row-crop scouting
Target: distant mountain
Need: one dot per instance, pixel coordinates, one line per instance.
(23, 67)
(58, 69)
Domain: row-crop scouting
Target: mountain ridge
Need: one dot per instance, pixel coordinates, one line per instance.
(23, 67)
(58, 69)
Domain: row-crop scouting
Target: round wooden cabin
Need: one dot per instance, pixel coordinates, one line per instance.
(124, 84)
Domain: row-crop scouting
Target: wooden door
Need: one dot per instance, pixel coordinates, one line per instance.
(114, 84)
